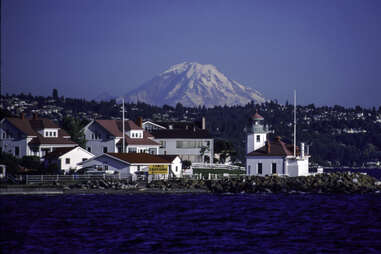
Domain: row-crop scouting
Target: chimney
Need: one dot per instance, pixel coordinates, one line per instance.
(302, 149)
(268, 147)
(22, 115)
(139, 122)
(35, 116)
(203, 123)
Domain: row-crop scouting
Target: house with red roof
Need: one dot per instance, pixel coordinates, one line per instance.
(106, 136)
(272, 157)
(32, 136)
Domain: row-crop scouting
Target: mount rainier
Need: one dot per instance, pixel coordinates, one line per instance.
(193, 84)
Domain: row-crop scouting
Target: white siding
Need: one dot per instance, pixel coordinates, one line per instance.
(253, 144)
(192, 154)
(75, 156)
(113, 164)
(267, 161)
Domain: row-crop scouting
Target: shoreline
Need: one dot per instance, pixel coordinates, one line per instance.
(327, 183)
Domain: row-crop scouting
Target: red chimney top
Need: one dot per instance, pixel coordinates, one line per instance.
(35, 116)
(22, 115)
(139, 122)
(268, 147)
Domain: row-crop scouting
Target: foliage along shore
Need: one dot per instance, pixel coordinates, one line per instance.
(331, 183)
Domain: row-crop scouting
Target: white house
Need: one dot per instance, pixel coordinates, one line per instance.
(268, 157)
(186, 140)
(68, 158)
(128, 164)
(106, 136)
(32, 137)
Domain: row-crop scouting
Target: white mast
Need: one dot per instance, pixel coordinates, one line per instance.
(124, 142)
(295, 123)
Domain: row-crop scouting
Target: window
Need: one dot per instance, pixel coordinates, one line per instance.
(162, 144)
(188, 144)
(177, 168)
(92, 136)
(248, 169)
(105, 149)
(133, 134)
(258, 138)
(17, 151)
(260, 168)
(132, 149)
(273, 170)
(67, 160)
(4, 135)
(89, 149)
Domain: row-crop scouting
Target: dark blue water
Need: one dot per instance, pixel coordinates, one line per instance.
(190, 223)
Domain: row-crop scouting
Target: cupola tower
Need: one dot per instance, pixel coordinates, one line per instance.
(257, 135)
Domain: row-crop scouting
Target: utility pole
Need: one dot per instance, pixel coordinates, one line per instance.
(124, 141)
(295, 123)
(123, 128)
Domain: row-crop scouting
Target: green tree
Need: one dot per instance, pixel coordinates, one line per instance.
(75, 128)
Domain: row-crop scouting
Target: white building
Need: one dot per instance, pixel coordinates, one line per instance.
(128, 164)
(184, 139)
(268, 157)
(106, 136)
(68, 159)
(32, 137)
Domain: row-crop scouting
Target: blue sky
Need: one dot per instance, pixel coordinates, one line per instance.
(329, 51)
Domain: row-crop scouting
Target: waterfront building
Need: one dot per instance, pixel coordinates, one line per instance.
(67, 158)
(184, 139)
(32, 136)
(129, 164)
(106, 136)
(269, 157)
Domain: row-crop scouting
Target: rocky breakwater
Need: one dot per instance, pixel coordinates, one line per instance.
(101, 185)
(340, 182)
(179, 185)
(344, 182)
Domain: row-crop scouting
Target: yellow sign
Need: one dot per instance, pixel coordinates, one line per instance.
(157, 169)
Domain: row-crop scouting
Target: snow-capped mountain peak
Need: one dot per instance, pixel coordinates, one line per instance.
(193, 84)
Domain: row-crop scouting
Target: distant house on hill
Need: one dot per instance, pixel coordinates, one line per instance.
(67, 158)
(32, 137)
(268, 157)
(188, 140)
(106, 136)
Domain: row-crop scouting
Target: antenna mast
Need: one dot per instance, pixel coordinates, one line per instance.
(124, 142)
(295, 123)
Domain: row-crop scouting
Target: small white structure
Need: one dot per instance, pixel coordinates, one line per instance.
(3, 171)
(268, 157)
(128, 164)
(68, 158)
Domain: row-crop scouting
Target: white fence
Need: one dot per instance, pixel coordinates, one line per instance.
(30, 179)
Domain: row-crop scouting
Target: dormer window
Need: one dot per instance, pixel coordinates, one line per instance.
(50, 133)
